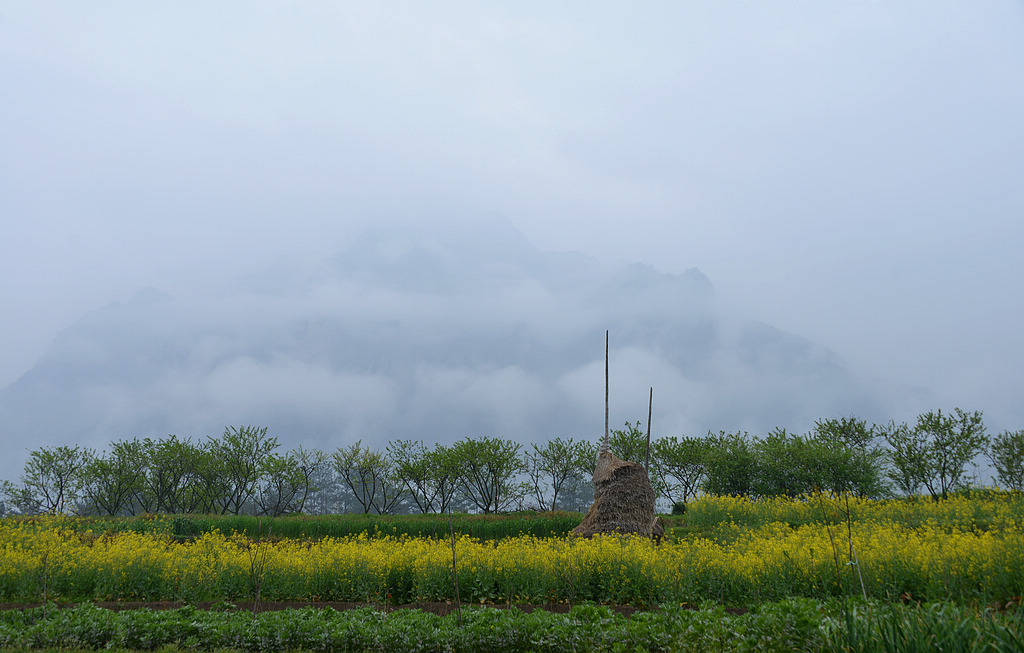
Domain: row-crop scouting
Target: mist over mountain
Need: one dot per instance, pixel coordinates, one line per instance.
(426, 332)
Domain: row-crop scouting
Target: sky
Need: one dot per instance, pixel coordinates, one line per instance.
(846, 171)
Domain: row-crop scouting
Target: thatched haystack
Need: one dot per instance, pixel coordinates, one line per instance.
(623, 500)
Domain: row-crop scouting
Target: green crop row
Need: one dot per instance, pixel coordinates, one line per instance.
(792, 625)
(305, 527)
(705, 517)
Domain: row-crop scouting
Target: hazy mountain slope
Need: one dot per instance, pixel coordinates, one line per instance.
(433, 334)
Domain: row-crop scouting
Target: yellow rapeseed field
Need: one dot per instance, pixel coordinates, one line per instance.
(879, 553)
(990, 510)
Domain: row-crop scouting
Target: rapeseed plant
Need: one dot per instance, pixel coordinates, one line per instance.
(939, 554)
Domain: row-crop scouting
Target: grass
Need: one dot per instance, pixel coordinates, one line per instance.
(307, 527)
(708, 517)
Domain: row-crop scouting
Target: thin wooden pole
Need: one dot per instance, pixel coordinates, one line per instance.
(604, 445)
(455, 568)
(647, 456)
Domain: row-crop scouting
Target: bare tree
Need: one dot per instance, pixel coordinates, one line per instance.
(683, 464)
(488, 468)
(553, 466)
(1007, 457)
(109, 482)
(51, 480)
(426, 474)
(243, 451)
(936, 451)
(368, 474)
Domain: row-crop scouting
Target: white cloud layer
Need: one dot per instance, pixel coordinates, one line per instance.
(849, 172)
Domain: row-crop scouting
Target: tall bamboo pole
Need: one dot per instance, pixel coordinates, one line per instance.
(604, 445)
(647, 456)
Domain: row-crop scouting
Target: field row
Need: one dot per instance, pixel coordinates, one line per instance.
(746, 566)
(308, 527)
(982, 509)
(793, 625)
(708, 516)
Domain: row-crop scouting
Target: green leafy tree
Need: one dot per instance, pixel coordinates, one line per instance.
(284, 483)
(936, 451)
(445, 478)
(588, 461)
(848, 432)
(206, 484)
(732, 465)
(1007, 456)
(955, 441)
(413, 471)
(18, 499)
(326, 494)
(683, 463)
(629, 443)
(554, 466)
(426, 474)
(796, 465)
(368, 474)
(488, 468)
(311, 463)
(110, 482)
(577, 492)
(785, 465)
(243, 452)
(908, 455)
(51, 480)
(851, 458)
(169, 476)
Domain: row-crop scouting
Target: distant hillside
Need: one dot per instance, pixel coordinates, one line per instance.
(431, 334)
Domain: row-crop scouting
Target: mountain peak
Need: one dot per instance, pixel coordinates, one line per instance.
(416, 332)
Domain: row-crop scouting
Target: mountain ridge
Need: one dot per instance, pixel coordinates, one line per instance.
(483, 342)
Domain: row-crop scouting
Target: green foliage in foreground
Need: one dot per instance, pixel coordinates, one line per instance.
(937, 627)
(302, 527)
(792, 625)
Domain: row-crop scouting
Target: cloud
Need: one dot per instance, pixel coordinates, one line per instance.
(261, 389)
(510, 401)
(849, 173)
(479, 343)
